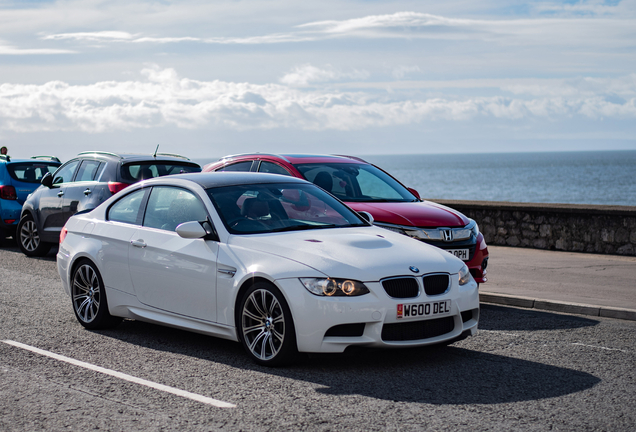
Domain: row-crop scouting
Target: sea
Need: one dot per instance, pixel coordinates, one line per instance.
(586, 177)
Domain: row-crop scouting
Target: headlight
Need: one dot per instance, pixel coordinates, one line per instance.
(334, 287)
(464, 275)
(475, 228)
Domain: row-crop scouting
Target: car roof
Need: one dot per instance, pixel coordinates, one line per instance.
(10, 161)
(137, 157)
(221, 179)
(300, 158)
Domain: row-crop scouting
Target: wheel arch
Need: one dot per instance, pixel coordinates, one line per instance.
(247, 284)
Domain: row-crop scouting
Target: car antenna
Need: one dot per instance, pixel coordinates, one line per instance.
(156, 150)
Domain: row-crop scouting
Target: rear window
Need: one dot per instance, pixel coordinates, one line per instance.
(31, 172)
(135, 172)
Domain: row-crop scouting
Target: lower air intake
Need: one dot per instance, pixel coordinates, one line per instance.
(417, 330)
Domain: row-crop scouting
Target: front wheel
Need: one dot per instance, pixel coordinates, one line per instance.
(265, 326)
(28, 238)
(89, 298)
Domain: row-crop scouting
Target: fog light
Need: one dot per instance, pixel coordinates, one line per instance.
(484, 263)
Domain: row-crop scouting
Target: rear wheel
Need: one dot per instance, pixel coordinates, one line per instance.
(265, 326)
(89, 298)
(28, 238)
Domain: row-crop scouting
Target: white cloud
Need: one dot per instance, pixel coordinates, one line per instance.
(400, 72)
(93, 36)
(307, 74)
(165, 99)
(12, 50)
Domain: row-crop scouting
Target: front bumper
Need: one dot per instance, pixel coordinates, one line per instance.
(371, 320)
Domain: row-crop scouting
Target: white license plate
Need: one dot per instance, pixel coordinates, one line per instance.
(423, 309)
(462, 254)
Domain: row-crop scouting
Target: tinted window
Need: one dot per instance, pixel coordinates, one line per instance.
(88, 170)
(65, 173)
(135, 172)
(269, 167)
(127, 209)
(261, 208)
(356, 182)
(30, 172)
(241, 166)
(169, 206)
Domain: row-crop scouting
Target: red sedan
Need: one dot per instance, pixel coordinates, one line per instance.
(366, 188)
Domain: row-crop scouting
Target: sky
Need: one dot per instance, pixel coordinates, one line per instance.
(360, 77)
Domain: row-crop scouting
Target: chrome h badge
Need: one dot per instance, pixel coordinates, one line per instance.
(448, 235)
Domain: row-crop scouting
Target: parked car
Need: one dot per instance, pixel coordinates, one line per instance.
(82, 184)
(366, 187)
(18, 178)
(273, 262)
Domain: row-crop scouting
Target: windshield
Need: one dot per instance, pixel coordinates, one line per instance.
(31, 172)
(356, 182)
(277, 207)
(134, 172)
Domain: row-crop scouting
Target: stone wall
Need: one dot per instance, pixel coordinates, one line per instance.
(566, 227)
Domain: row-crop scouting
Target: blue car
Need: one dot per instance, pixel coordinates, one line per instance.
(19, 178)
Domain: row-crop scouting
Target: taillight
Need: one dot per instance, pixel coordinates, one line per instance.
(8, 192)
(63, 234)
(115, 187)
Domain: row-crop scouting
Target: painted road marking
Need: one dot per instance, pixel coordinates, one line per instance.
(125, 377)
(600, 347)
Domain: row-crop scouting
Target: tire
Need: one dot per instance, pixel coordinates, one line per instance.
(265, 326)
(28, 238)
(89, 297)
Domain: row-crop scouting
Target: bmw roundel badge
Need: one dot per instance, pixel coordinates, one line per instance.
(414, 269)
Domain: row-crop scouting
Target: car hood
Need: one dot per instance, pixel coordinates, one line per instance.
(365, 253)
(419, 214)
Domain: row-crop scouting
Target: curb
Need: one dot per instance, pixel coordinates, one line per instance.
(556, 306)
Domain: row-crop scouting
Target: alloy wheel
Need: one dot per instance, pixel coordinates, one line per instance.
(29, 236)
(263, 326)
(86, 293)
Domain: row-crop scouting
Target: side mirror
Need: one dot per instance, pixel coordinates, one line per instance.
(191, 230)
(366, 216)
(414, 192)
(47, 180)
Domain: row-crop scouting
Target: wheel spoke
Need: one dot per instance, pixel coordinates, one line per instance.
(278, 335)
(257, 306)
(252, 328)
(252, 315)
(252, 345)
(266, 341)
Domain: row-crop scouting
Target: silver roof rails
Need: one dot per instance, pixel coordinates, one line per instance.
(255, 154)
(46, 157)
(101, 153)
(172, 155)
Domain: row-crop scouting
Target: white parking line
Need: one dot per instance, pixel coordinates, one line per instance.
(599, 347)
(123, 376)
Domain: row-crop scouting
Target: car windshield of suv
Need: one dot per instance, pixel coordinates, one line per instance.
(31, 172)
(277, 207)
(134, 172)
(356, 182)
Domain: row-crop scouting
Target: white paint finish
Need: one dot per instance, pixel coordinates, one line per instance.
(123, 376)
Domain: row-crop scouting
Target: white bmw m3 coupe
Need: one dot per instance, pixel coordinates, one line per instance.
(271, 261)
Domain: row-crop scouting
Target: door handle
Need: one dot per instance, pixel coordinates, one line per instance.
(138, 243)
(87, 192)
(60, 194)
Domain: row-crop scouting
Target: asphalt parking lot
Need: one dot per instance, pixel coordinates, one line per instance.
(525, 370)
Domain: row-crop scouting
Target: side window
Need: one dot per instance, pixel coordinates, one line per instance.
(127, 209)
(65, 173)
(269, 167)
(87, 170)
(170, 206)
(241, 166)
(372, 186)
